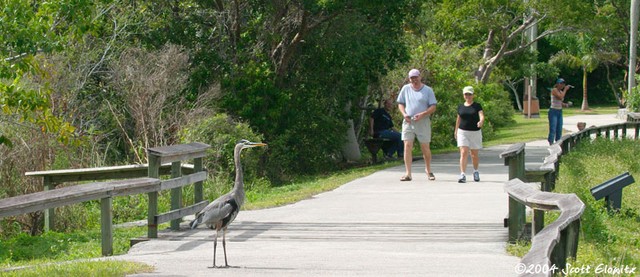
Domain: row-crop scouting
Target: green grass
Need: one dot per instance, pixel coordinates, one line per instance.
(605, 238)
(26, 255)
(79, 268)
(530, 129)
(86, 244)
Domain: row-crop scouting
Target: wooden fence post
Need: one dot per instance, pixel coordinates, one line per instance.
(537, 222)
(106, 223)
(197, 187)
(176, 194)
(49, 214)
(517, 211)
(153, 172)
(572, 234)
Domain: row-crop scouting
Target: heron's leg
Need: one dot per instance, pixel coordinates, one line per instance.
(224, 245)
(215, 244)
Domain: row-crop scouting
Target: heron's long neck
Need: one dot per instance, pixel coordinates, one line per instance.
(239, 184)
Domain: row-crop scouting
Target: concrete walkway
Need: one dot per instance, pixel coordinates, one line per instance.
(373, 226)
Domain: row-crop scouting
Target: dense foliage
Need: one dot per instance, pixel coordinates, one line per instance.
(95, 83)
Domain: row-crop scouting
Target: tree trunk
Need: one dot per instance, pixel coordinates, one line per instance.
(351, 148)
(585, 104)
(632, 45)
(512, 87)
(612, 86)
(480, 73)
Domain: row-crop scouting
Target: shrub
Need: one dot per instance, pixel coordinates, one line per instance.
(633, 98)
(448, 71)
(222, 133)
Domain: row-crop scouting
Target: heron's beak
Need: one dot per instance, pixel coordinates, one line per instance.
(256, 144)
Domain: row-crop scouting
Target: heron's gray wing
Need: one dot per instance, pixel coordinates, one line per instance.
(217, 210)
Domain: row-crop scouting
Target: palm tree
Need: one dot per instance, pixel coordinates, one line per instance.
(585, 55)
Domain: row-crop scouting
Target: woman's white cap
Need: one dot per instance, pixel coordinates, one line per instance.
(467, 89)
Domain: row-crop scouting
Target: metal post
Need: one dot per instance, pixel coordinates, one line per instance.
(614, 200)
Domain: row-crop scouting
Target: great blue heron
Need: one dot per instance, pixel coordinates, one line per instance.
(222, 211)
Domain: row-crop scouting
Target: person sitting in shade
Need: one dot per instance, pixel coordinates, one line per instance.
(381, 126)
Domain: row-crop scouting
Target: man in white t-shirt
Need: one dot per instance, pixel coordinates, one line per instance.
(417, 103)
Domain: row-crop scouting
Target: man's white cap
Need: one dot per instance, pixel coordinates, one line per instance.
(414, 73)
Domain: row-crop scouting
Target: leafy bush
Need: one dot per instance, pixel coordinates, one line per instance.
(447, 75)
(222, 133)
(36, 151)
(633, 98)
(304, 127)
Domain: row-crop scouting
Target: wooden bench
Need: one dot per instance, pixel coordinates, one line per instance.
(374, 145)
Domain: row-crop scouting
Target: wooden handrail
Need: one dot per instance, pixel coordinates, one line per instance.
(52, 178)
(545, 250)
(174, 154)
(55, 177)
(557, 241)
(181, 175)
(42, 200)
(179, 152)
(569, 141)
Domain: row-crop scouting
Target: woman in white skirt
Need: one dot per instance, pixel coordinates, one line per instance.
(468, 133)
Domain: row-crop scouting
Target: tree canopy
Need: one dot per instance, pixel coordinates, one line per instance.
(294, 71)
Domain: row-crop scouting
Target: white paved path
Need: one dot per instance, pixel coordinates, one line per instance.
(373, 226)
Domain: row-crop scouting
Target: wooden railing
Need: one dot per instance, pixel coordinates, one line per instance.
(172, 156)
(619, 130)
(559, 240)
(541, 200)
(52, 178)
(516, 220)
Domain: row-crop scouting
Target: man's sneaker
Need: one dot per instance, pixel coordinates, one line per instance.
(476, 176)
(462, 179)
